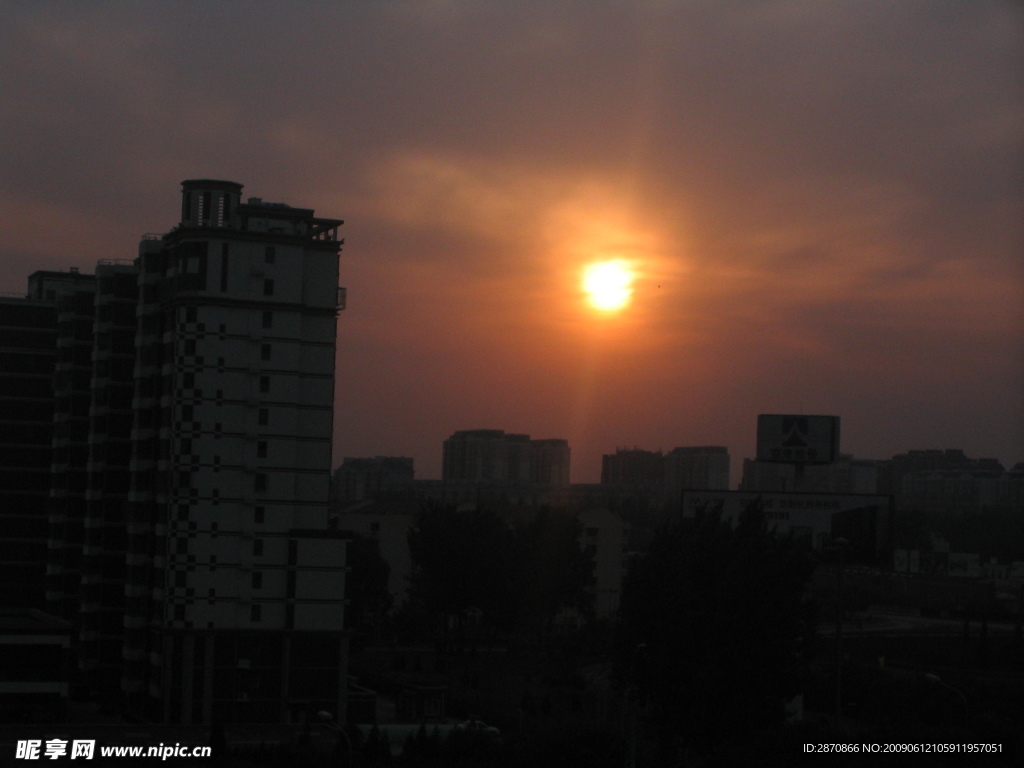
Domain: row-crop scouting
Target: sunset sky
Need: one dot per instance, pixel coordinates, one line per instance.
(821, 202)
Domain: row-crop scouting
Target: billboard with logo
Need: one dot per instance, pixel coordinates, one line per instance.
(797, 439)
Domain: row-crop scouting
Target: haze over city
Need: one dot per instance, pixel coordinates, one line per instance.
(817, 206)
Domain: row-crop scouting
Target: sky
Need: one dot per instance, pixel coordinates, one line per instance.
(821, 203)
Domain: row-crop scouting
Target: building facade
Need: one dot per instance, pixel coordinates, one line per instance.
(28, 360)
(234, 606)
(165, 458)
(695, 468)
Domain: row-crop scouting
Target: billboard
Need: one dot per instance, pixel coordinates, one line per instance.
(797, 439)
(864, 520)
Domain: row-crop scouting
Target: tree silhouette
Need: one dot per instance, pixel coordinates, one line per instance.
(711, 623)
(366, 586)
(519, 578)
(462, 560)
(554, 571)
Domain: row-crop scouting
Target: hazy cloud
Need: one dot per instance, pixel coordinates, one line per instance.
(823, 200)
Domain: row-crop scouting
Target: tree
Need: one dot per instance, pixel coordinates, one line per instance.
(462, 560)
(517, 577)
(366, 585)
(711, 622)
(554, 571)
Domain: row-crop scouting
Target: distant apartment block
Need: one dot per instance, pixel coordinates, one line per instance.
(492, 455)
(846, 475)
(948, 481)
(696, 468)
(377, 477)
(633, 467)
(685, 468)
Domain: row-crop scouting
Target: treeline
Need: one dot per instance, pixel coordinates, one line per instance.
(513, 576)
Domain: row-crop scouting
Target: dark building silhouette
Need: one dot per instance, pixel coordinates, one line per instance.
(363, 479)
(492, 455)
(169, 426)
(234, 606)
(704, 467)
(28, 356)
(633, 467)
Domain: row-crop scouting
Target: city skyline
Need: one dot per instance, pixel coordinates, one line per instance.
(821, 204)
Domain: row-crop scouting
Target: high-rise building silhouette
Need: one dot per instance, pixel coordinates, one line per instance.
(633, 467)
(28, 356)
(174, 415)
(493, 455)
(234, 605)
(704, 468)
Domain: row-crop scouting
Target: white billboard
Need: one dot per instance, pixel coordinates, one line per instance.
(797, 439)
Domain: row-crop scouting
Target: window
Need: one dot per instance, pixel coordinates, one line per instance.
(264, 417)
(265, 352)
(268, 287)
(256, 612)
(260, 483)
(191, 314)
(269, 254)
(257, 580)
(268, 319)
(264, 384)
(260, 514)
(261, 449)
(257, 547)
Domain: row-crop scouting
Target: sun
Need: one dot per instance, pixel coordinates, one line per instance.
(607, 284)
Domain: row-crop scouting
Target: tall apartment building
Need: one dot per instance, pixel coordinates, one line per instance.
(28, 357)
(100, 608)
(492, 455)
(165, 457)
(234, 606)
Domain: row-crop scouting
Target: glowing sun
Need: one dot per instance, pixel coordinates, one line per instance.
(607, 284)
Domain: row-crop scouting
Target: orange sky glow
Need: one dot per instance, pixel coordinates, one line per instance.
(820, 203)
